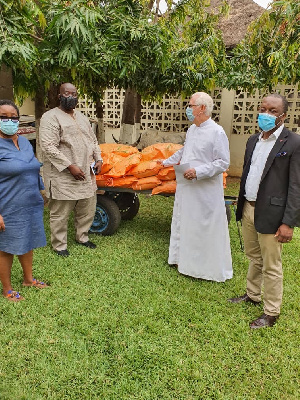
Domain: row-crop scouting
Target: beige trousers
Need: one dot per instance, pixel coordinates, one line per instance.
(265, 267)
(60, 210)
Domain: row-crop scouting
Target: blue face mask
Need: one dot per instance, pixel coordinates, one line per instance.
(189, 114)
(9, 127)
(266, 122)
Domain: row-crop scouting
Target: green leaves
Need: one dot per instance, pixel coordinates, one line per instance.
(124, 43)
(16, 41)
(270, 52)
(120, 43)
(77, 18)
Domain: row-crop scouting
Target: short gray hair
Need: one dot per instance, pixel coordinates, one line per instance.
(202, 98)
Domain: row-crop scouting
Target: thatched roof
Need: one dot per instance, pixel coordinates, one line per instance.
(242, 13)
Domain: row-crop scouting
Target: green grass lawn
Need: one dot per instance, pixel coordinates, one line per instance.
(119, 323)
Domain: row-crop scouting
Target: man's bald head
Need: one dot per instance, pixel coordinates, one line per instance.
(67, 89)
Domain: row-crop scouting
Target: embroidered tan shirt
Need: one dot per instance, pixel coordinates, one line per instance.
(64, 141)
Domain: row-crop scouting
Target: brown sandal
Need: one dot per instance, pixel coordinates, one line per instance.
(12, 295)
(37, 284)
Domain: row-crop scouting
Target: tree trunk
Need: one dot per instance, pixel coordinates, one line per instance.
(131, 117)
(128, 116)
(39, 111)
(100, 132)
(6, 83)
(53, 93)
(138, 114)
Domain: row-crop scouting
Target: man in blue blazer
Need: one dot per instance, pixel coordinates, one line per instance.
(269, 205)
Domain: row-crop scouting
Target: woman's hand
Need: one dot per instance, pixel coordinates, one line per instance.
(45, 198)
(2, 225)
(190, 174)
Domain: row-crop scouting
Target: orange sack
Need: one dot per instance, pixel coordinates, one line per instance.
(109, 160)
(122, 167)
(146, 183)
(165, 187)
(125, 182)
(123, 150)
(160, 150)
(167, 174)
(145, 168)
(105, 181)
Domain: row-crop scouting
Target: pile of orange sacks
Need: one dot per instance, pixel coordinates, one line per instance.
(125, 166)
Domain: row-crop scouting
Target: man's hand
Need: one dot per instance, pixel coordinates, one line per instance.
(98, 167)
(76, 172)
(190, 174)
(284, 233)
(2, 225)
(160, 161)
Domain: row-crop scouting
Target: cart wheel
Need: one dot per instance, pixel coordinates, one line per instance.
(107, 217)
(228, 213)
(128, 204)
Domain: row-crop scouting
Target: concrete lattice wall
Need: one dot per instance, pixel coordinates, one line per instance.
(236, 111)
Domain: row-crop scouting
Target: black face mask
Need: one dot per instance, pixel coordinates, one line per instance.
(68, 103)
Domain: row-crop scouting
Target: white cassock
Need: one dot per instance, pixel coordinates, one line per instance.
(199, 242)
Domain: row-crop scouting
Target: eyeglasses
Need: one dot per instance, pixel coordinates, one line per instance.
(193, 105)
(4, 118)
(67, 94)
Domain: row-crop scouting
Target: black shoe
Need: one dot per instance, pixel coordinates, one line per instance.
(264, 321)
(244, 298)
(88, 244)
(62, 253)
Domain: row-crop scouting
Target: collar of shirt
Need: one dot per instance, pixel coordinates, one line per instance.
(206, 122)
(203, 124)
(258, 162)
(274, 134)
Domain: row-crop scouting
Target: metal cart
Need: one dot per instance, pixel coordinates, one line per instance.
(116, 204)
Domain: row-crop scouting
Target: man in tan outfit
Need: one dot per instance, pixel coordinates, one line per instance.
(69, 148)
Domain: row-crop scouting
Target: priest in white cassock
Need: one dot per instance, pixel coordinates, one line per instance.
(199, 242)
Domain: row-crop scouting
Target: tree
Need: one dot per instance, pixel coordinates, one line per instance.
(17, 48)
(124, 43)
(198, 54)
(60, 44)
(141, 55)
(158, 54)
(269, 54)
